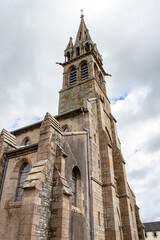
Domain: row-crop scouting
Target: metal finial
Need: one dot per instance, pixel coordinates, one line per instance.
(82, 13)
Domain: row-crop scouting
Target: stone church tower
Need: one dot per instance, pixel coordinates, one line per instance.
(64, 177)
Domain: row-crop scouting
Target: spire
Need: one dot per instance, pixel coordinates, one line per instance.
(83, 44)
(83, 33)
(68, 52)
(70, 45)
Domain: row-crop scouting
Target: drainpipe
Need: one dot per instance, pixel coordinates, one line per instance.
(4, 173)
(89, 174)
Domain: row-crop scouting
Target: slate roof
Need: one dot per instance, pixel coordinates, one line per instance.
(152, 226)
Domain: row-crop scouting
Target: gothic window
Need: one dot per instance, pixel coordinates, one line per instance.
(84, 71)
(74, 183)
(72, 77)
(77, 51)
(24, 171)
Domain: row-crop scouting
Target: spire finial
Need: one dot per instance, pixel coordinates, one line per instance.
(82, 13)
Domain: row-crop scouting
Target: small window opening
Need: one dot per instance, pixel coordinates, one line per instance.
(54, 212)
(73, 76)
(145, 234)
(155, 234)
(84, 71)
(80, 36)
(100, 77)
(66, 129)
(27, 142)
(77, 51)
(68, 56)
(87, 47)
(95, 70)
(99, 218)
(24, 172)
(74, 182)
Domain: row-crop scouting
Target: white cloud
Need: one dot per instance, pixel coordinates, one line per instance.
(140, 135)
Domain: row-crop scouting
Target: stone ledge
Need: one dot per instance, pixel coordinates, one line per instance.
(33, 184)
(76, 210)
(12, 204)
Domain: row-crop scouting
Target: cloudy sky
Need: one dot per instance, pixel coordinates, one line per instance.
(33, 36)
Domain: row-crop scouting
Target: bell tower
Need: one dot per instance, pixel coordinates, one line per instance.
(83, 75)
(84, 105)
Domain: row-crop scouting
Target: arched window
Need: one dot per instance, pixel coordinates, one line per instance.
(24, 171)
(68, 56)
(84, 71)
(77, 186)
(74, 188)
(26, 141)
(77, 51)
(65, 128)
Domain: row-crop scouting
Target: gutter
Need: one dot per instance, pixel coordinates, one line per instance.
(4, 173)
(89, 175)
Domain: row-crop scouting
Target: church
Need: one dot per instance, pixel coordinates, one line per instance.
(64, 177)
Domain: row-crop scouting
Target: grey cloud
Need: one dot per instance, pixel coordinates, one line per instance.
(139, 174)
(153, 143)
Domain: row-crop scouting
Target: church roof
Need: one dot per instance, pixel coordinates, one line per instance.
(152, 226)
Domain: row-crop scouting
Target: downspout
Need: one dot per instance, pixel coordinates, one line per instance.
(4, 173)
(89, 174)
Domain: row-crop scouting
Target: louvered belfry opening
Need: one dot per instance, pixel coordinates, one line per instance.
(73, 77)
(84, 71)
(24, 172)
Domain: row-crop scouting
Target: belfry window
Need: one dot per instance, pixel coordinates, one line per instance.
(72, 77)
(84, 71)
(74, 183)
(24, 172)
